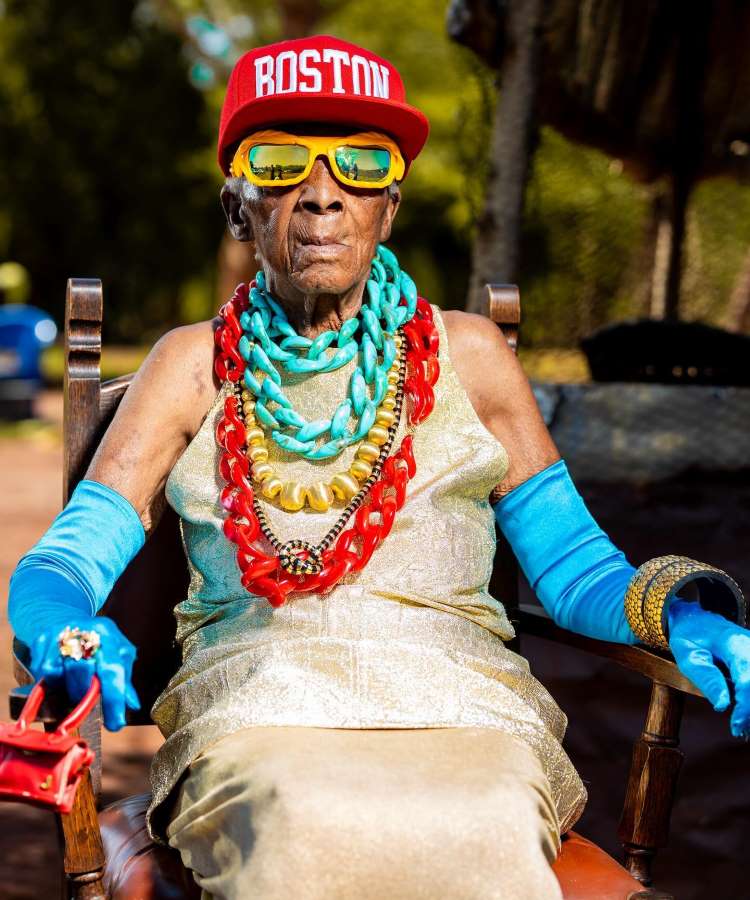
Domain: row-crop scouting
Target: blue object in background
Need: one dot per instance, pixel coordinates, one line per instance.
(24, 332)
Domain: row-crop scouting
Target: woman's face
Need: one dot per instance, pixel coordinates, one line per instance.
(316, 237)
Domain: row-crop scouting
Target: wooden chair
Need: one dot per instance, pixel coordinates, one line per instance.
(108, 855)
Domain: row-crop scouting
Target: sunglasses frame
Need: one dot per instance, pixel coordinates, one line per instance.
(318, 145)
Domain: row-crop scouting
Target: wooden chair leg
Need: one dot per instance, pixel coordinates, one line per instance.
(80, 839)
(82, 848)
(652, 782)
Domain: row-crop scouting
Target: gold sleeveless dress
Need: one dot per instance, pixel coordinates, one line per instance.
(412, 641)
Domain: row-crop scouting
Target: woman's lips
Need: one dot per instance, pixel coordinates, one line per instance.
(312, 250)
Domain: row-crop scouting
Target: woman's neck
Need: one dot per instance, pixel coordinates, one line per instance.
(312, 314)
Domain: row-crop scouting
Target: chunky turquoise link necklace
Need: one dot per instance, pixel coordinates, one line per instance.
(269, 342)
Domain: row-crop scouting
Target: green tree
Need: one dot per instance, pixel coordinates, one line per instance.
(104, 158)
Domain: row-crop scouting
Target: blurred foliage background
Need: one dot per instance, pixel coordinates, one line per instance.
(108, 113)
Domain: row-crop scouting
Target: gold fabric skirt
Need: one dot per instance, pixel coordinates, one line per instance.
(272, 813)
(356, 661)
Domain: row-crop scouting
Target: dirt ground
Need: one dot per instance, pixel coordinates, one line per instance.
(707, 852)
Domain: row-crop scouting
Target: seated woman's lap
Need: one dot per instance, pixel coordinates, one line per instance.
(309, 813)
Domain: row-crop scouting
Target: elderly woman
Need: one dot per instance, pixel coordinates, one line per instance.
(347, 721)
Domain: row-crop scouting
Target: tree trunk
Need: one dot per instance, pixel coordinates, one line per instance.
(496, 251)
(737, 316)
(299, 17)
(662, 248)
(692, 60)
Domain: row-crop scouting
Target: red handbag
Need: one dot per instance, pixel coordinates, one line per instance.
(45, 768)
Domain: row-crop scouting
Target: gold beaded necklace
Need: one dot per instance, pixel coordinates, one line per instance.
(320, 495)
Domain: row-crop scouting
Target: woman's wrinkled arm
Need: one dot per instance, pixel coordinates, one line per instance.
(66, 577)
(160, 413)
(501, 395)
(579, 576)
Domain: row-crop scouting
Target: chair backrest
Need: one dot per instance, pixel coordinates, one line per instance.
(143, 599)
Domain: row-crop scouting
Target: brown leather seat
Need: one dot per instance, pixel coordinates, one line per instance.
(137, 868)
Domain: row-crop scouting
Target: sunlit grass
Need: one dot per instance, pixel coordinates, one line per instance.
(568, 366)
(38, 430)
(115, 361)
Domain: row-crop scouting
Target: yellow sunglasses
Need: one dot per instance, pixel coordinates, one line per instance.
(278, 159)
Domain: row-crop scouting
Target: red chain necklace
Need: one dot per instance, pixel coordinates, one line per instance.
(267, 574)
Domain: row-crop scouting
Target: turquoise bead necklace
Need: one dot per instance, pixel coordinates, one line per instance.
(270, 343)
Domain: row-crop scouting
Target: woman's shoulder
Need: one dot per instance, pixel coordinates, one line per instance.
(161, 412)
(180, 365)
(471, 332)
(479, 352)
(188, 349)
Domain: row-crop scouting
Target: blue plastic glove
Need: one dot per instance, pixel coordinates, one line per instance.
(64, 579)
(698, 639)
(112, 662)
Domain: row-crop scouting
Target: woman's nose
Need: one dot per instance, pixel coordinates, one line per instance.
(320, 193)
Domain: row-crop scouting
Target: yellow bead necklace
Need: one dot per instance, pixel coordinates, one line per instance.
(321, 495)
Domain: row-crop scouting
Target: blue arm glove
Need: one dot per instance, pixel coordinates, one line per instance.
(64, 580)
(574, 569)
(697, 638)
(580, 578)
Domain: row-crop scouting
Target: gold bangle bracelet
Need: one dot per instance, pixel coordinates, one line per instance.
(659, 579)
(634, 595)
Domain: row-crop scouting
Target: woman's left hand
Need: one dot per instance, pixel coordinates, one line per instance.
(698, 639)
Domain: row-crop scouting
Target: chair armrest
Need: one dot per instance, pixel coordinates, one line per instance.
(651, 664)
(112, 392)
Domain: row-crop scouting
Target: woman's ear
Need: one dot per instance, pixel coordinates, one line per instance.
(393, 203)
(231, 201)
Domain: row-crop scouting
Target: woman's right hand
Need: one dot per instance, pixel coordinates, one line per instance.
(112, 662)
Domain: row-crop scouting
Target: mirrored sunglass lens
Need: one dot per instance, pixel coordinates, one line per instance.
(363, 163)
(277, 162)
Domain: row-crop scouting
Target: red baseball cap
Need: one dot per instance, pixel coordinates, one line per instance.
(318, 79)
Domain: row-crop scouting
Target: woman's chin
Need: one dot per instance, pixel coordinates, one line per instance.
(322, 277)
